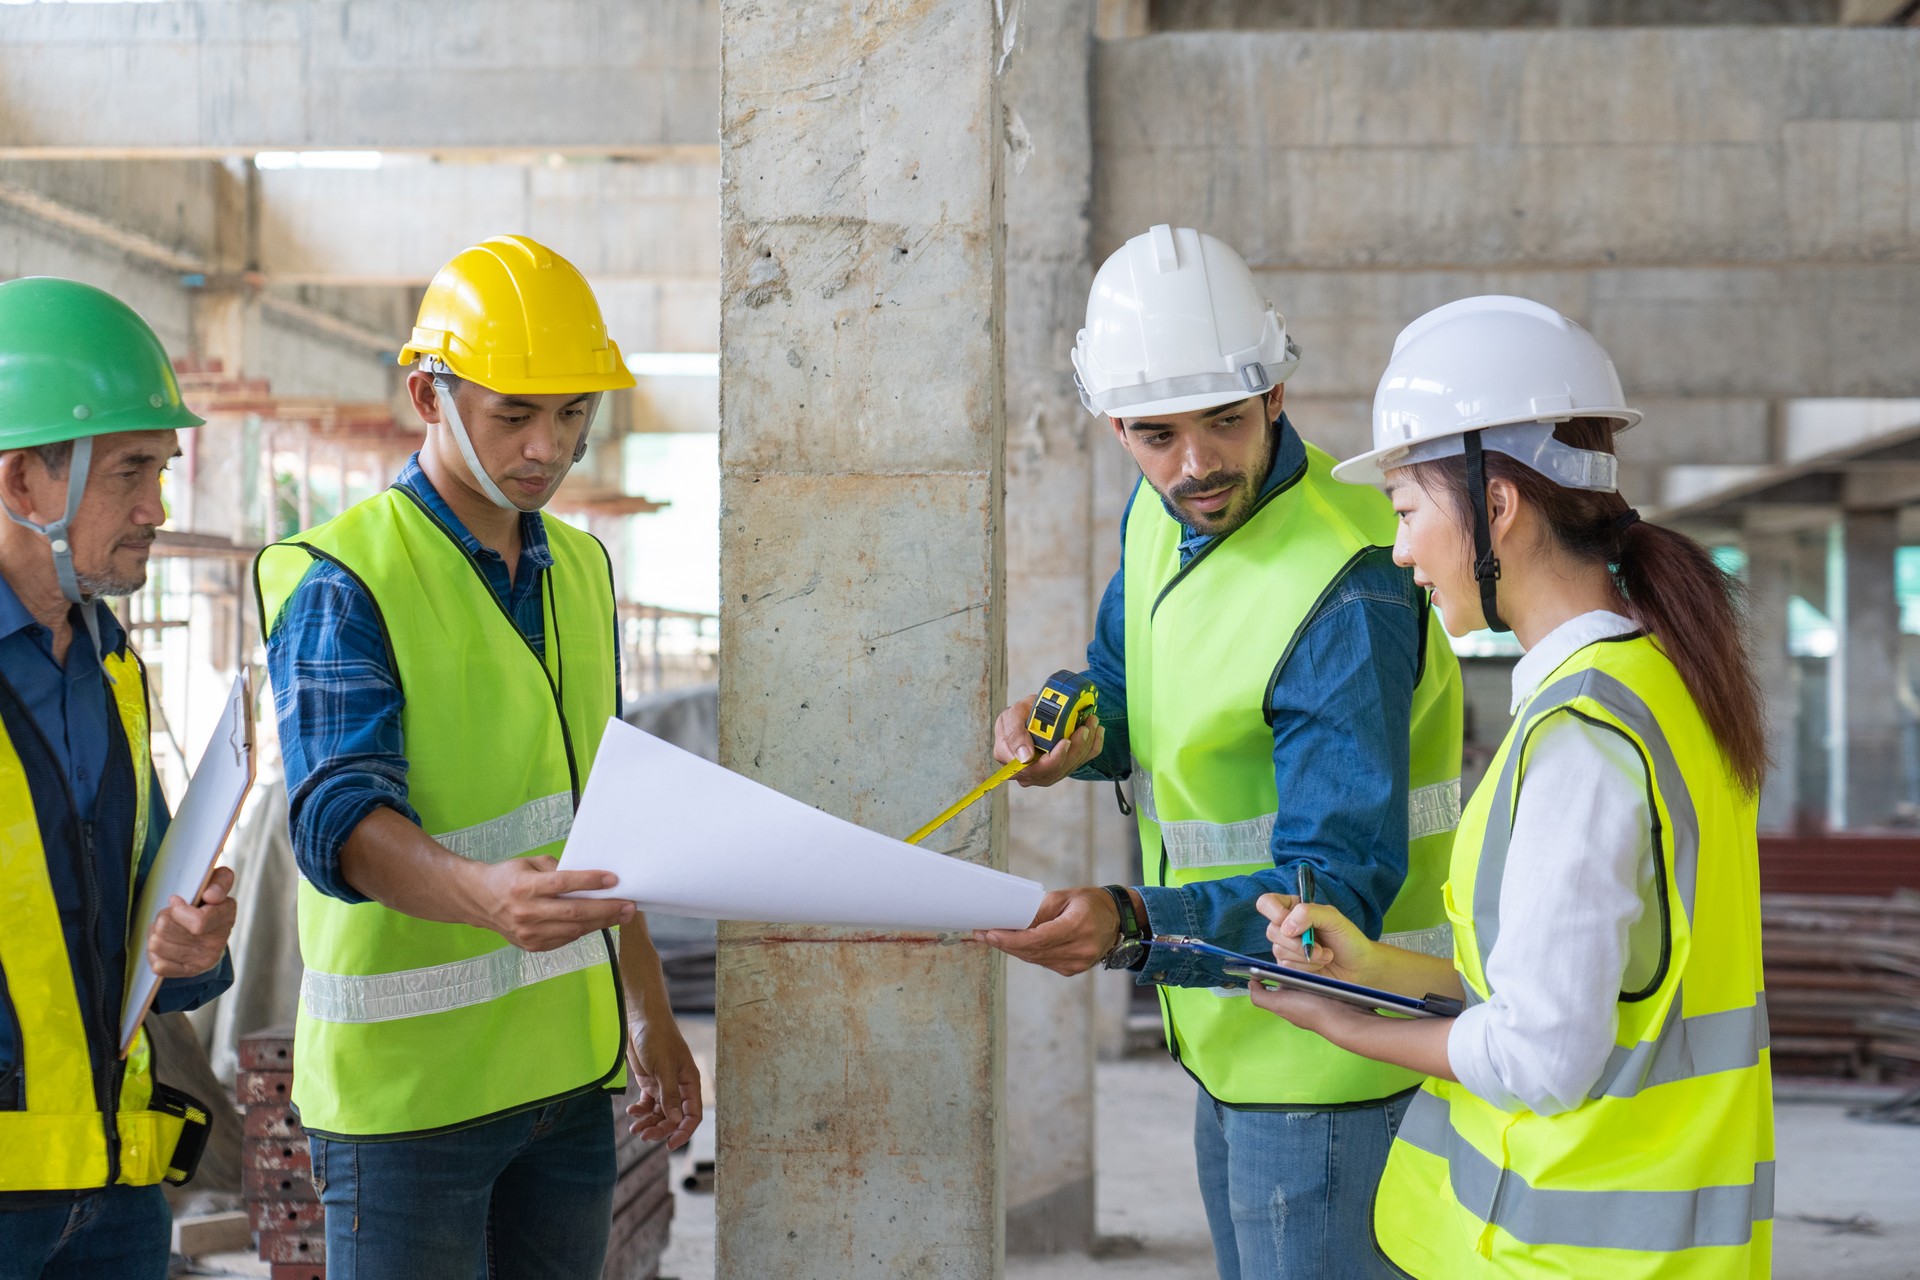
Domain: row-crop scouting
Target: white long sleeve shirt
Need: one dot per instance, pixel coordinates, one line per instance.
(1578, 920)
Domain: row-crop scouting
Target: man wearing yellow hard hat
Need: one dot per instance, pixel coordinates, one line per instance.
(444, 661)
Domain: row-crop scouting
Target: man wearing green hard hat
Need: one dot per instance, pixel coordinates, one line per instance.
(89, 411)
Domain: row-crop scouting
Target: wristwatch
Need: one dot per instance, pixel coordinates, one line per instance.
(1130, 949)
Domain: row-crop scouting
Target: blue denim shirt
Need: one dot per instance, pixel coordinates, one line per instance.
(338, 699)
(1342, 714)
(71, 705)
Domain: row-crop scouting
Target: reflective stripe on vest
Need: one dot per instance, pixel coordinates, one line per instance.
(340, 997)
(514, 834)
(407, 1026)
(60, 1141)
(1191, 843)
(1702, 1217)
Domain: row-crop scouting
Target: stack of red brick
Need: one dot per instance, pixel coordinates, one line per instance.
(642, 1202)
(277, 1176)
(276, 1169)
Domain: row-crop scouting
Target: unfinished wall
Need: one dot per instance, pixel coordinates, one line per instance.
(1734, 212)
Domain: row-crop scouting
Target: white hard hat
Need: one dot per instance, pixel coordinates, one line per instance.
(1506, 367)
(1175, 323)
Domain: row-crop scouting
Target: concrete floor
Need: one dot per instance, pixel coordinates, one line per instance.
(1848, 1198)
(1848, 1192)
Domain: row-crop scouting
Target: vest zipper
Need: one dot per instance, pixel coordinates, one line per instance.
(106, 1091)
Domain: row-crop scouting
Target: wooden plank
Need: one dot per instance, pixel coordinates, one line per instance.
(207, 1233)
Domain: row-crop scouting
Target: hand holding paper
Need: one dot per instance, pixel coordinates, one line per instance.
(689, 837)
(188, 940)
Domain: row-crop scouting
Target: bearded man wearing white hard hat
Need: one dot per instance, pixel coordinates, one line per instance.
(1288, 710)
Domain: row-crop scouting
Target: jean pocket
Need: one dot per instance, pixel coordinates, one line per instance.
(317, 1147)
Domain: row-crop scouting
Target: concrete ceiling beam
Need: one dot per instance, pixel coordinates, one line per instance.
(398, 224)
(209, 77)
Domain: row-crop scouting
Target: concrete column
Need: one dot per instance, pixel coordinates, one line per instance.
(1116, 837)
(1050, 1019)
(860, 1077)
(1870, 636)
(1770, 560)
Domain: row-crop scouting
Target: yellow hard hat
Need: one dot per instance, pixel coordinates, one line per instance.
(517, 318)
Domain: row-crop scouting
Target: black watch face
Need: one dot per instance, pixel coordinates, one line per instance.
(1126, 955)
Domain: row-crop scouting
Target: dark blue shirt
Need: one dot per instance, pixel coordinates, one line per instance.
(1342, 710)
(71, 706)
(339, 701)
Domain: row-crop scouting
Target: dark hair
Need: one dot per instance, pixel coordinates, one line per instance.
(55, 457)
(1668, 584)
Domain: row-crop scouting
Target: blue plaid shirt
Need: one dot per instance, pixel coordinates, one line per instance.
(1341, 710)
(339, 701)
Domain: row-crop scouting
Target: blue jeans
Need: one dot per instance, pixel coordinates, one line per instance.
(527, 1197)
(123, 1232)
(1289, 1194)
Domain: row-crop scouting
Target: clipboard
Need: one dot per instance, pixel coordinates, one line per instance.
(1372, 999)
(190, 849)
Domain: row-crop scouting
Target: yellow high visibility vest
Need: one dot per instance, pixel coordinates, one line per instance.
(63, 1141)
(406, 1026)
(1666, 1170)
(1205, 643)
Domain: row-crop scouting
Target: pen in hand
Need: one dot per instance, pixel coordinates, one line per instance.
(1305, 885)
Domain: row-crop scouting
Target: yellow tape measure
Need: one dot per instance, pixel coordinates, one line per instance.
(1057, 711)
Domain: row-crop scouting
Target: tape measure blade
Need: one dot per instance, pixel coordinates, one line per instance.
(947, 814)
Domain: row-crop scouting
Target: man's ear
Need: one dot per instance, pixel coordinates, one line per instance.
(15, 488)
(424, 395)
(1276, 397)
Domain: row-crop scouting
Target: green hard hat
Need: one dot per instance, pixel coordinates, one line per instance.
(76, 361)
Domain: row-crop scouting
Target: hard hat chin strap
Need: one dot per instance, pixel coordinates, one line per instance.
(1486, 565)
(57, 535)
(451, 413)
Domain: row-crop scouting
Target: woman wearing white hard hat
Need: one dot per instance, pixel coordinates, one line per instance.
(1603, 1104)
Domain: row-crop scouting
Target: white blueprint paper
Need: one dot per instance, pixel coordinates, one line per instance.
(192, 845)
(688, 837)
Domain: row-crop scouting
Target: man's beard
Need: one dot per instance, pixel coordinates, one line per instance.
(111, 584)
(1230, 517)
(92, 585)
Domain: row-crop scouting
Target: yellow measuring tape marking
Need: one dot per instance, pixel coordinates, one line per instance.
(1057, 710)
(999, 776)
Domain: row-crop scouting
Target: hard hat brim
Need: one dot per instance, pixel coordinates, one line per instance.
(1179, 404)
(618, 378)
(167, 418)
(1366, 468)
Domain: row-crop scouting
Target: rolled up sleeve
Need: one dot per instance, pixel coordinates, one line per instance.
(338, 702)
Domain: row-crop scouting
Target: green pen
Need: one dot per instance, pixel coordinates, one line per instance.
(1305, 885)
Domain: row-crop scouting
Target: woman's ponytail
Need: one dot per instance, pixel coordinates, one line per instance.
(1669, 584)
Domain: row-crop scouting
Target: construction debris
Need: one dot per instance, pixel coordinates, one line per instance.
(1843, 985)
